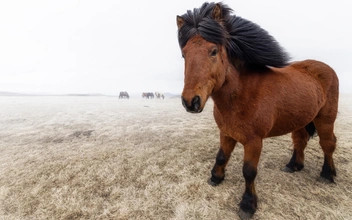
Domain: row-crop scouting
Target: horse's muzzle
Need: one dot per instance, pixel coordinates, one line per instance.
(194, 106)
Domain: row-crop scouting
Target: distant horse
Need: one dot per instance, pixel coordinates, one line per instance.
(148, 95)
(159, 95)
(257, 93)
(124, 95)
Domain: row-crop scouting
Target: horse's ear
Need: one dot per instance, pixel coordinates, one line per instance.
(217, 12)
(180, 21)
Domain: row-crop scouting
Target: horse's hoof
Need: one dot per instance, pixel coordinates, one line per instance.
(245, 215)
(287, 170)
(210, 182)
(326, 180)
(214, 181)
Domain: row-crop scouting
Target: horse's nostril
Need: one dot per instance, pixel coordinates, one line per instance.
(195, 99)
(193, 106)
(196, 103)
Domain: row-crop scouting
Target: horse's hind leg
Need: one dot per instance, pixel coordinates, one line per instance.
(328, 144)
(227, 144)
(324, 123)
(300, 139)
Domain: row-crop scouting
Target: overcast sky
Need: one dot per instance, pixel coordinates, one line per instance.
(107, 46)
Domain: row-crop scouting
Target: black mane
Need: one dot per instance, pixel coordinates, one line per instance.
(244, 40)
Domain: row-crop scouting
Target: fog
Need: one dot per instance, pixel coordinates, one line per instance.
(60, 47)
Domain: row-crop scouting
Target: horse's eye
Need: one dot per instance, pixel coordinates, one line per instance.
(183, 56)
(214, 52)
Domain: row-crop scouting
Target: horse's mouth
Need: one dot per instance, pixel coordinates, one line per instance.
(191, 111)
(194, 106)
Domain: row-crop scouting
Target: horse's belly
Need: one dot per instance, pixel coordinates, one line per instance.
(282, 130)
(268, 126)
(291, 121)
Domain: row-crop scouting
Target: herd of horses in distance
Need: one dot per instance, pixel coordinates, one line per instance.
(147, 95)
(258, 92)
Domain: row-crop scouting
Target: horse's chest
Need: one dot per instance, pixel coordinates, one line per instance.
(228, 124)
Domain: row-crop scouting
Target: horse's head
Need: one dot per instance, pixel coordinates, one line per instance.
(204, 72)
(205, 66)
(211, 40)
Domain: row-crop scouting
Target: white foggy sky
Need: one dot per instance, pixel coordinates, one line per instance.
(72, 46)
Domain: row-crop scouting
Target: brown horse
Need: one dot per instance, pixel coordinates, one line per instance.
(257, 93)
(148, 95)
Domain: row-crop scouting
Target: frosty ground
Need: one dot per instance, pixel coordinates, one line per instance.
(71, 157)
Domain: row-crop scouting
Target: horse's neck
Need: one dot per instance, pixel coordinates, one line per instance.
(226, 95)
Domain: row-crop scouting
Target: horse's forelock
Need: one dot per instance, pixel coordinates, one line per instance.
(186, 33)
(200, 21)
(212, 31)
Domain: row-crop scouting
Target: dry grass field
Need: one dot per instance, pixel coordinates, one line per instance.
(105, 158)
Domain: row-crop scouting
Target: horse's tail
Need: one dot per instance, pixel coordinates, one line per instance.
(310, 128)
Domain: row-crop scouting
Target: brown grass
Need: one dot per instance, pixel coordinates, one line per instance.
(104, 158)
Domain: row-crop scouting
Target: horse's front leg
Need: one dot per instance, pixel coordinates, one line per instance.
(227, 144)
(252, 151)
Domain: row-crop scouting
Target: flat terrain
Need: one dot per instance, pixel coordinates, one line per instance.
(105, 158)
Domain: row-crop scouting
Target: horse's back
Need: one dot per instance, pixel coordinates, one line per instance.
(321, 72)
